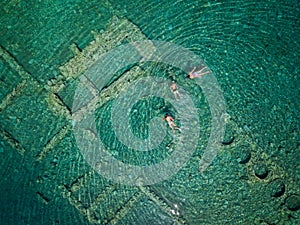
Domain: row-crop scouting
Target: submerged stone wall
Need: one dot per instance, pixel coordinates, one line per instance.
(45, 179)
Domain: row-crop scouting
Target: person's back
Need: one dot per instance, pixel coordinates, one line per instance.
(171, 123)
(174, 89)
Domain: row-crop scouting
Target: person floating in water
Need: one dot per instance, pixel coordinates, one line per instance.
(174, 89)
(171, 122)
(193, 74)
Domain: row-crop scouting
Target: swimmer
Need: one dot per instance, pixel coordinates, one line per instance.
(171, 122)
(174, 89)
(193, 74)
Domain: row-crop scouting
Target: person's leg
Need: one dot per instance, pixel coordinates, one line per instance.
(200, 74)
(177, 95)
(199, 71)
(178, 128)
(205, 72)
(173, 129)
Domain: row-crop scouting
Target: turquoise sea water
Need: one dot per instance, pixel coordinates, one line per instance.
(252, 49)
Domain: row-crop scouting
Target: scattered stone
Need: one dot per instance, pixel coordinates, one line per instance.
(261, 171)
(276, 188)
(293, 202)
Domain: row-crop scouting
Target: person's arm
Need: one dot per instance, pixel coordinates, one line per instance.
(193, 70)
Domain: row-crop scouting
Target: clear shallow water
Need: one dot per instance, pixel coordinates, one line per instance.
(254, 53)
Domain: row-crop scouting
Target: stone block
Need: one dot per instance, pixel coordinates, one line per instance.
(9, 79)
(147, 212)
(30, 119)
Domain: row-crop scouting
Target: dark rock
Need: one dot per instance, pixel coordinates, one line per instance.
(276, 188)
(293, 202)
(261, 171)
(229, 136)
(243, 156)
(228, 141)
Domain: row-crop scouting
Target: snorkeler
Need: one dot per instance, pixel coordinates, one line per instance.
(171, 122)
(193, 74)
(174, 89)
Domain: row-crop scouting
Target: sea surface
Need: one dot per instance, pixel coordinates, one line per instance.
(84, 96)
